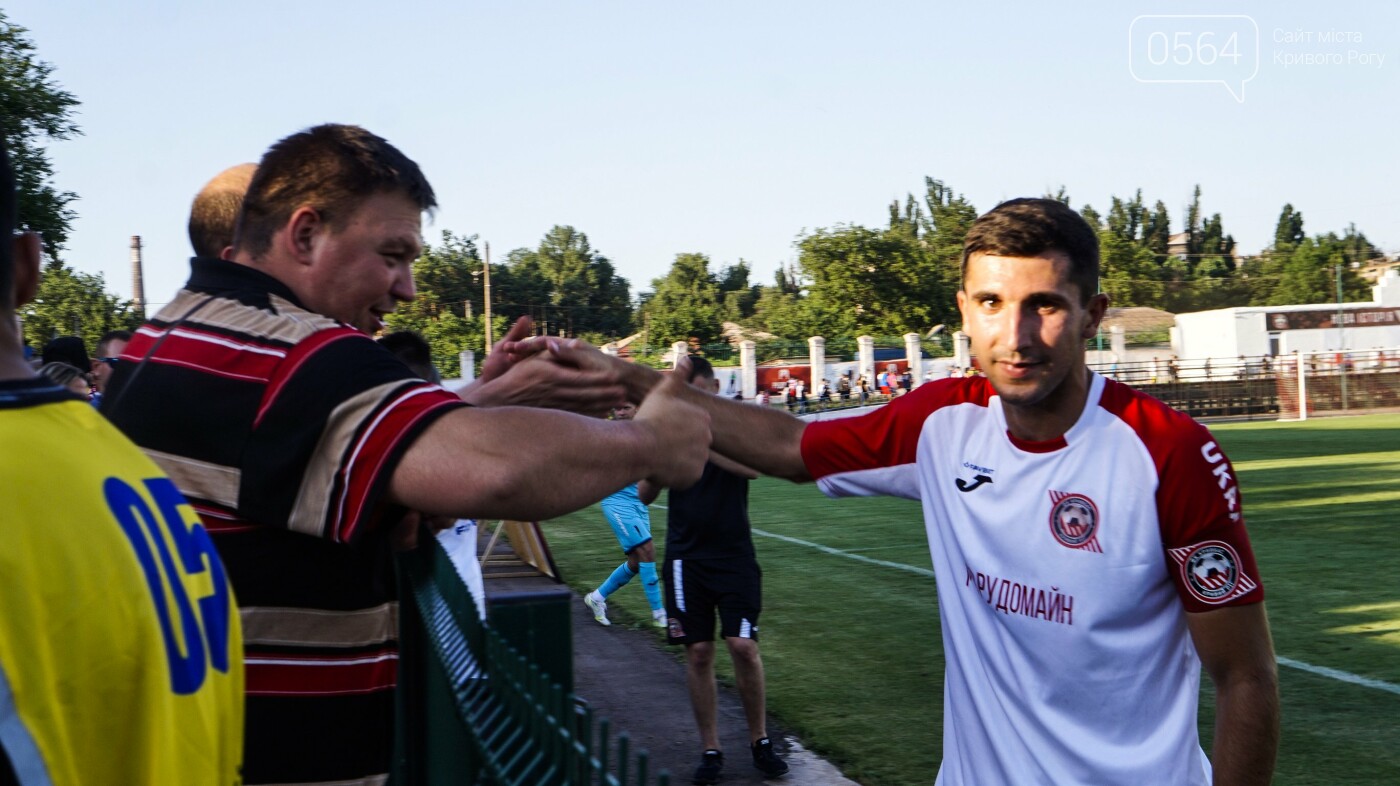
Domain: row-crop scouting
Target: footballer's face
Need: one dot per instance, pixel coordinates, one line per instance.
(1028, 323)
(625, 412)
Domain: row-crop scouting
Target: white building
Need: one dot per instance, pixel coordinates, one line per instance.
(1228, 333)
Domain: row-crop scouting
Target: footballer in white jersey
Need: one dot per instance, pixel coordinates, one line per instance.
(1088, 541)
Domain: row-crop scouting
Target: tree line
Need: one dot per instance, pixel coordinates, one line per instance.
(884, 281)
(847, 279)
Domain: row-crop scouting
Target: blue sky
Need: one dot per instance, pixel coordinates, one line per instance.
(726, 128)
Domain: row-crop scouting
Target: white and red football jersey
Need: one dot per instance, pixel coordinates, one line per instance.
(1064, 571)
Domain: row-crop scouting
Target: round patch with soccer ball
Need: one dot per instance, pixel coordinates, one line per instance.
(1073, 520)
(1212, 571)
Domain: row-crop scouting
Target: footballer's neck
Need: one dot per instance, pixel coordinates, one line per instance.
(1055, 414)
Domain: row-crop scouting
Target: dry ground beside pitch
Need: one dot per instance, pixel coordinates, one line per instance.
(852, 647)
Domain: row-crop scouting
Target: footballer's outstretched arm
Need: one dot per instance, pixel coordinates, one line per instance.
(764, 439)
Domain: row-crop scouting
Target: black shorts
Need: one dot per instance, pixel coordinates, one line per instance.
(697, 588)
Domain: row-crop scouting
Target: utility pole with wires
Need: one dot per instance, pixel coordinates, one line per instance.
(486, 298)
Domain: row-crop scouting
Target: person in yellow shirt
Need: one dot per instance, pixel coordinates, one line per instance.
(120, 644)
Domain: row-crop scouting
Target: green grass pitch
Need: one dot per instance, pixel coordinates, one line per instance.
(852, 648)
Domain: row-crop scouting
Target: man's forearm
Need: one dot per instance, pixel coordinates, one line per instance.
(765, 439)
(1246, 730)
(530, 464)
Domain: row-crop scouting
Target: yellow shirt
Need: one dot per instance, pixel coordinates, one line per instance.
(120, 646)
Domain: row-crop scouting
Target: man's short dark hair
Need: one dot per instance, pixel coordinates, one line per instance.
(9, 217)
(700, 367)
(331, 168)
(109, 337)
(414, 351)
(1032, 227)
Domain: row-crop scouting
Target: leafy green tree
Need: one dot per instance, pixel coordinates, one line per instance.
(738, 298)
(909, 217)
(1092, 216)
(1157, 230)
(1308, 272)
(447, 312)
(1125, 218)
(34, 110)
(862, 280)
(448, 279)
(684, 304)
(585, 294)
(1128, 271)
(1289, 230)
(70, 303)
(1193, 224)
(950, 216)
(781, 308)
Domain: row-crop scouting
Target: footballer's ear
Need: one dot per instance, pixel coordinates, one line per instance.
(27, 249)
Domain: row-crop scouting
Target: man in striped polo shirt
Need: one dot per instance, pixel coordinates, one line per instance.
(301, 443)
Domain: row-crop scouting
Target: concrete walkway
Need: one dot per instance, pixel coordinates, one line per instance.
(628, 675)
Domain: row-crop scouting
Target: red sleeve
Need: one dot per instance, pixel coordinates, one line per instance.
(1198, 504)
(885, 438)
(336, 417)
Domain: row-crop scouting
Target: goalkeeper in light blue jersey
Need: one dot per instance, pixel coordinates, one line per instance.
(631, 523)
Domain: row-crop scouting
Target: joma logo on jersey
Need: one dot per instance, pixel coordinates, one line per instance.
(1074, 521)
(984, 475)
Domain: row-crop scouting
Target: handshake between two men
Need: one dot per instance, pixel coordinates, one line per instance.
(531, 446)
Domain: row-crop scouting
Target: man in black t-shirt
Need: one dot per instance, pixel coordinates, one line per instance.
(710, 566)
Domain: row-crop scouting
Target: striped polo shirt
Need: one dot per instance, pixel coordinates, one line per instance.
(283, 427)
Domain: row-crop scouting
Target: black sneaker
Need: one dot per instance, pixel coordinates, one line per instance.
(711, 762)
(767, 760)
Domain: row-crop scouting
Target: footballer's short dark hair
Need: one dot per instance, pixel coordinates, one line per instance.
(1031, 227)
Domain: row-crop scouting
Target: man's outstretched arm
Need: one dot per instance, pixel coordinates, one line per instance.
(1238, 653)
(511, 462)
(764, 439)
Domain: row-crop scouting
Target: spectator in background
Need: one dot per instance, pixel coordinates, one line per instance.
(415, 353)
(70, 350)
(214, 212)
(109, 350)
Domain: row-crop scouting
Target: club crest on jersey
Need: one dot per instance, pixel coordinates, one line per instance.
(1074, 521)
(1211, 571)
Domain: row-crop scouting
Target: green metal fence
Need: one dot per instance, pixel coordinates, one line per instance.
(472, 710)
